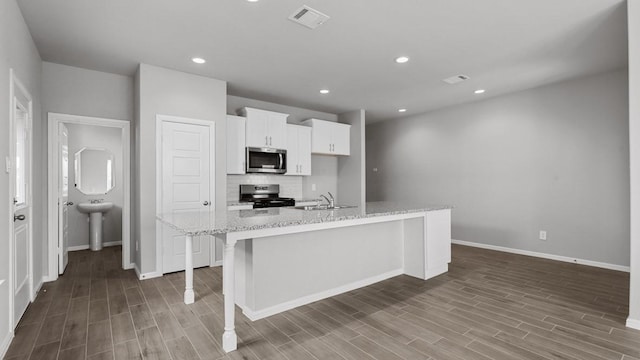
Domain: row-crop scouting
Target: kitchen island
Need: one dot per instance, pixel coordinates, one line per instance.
(286, 257)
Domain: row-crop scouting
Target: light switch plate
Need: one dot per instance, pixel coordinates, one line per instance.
(313, 187)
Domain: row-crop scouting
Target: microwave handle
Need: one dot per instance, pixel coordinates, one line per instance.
(281, 161)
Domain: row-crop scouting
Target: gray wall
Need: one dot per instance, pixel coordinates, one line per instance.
(553, 158)
(18, 52)
(168, 92)
(351, 169)
(77, 91)
(324, 169)
(95, 137)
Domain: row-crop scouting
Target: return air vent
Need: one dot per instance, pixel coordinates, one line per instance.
(308, 17)
(456, 79)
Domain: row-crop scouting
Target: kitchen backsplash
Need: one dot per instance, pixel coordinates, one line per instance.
(290, 186)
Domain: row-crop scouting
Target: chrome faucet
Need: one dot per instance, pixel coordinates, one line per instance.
(330, 200)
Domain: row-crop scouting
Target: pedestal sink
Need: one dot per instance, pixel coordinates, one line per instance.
(95, 211)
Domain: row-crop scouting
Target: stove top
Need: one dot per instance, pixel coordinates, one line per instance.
(264, 196)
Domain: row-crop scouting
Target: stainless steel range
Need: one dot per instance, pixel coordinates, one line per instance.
(264, 196)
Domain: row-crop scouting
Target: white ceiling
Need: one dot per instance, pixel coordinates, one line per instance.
(503, 45)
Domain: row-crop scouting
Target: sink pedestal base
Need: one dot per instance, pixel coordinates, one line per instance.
(95, 231)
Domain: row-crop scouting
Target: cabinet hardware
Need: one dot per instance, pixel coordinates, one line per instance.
(206, 203)
(19, 217)
(270, 141)
(266, 140)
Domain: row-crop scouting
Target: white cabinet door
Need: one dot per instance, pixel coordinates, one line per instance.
(292, 150)
(298, 150)
(256, 129)
(236, 128)
(340, 139)
(277, 130)
(304, 150)
(321, 137)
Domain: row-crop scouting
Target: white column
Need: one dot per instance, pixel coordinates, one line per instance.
(229, 338)
(189, 295)
(633, 14)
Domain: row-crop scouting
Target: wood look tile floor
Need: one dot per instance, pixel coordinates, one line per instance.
(490, 305)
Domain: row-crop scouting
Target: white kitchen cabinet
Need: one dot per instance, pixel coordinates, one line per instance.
(298, 150)
(236, 145)
(329, 138)
(265, 128)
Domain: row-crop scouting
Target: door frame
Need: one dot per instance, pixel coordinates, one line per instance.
(54, 121)
(17, 85)
(211, 124)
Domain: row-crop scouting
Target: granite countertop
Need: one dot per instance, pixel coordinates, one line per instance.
(220, 222)
(238, 203)
(307, 200)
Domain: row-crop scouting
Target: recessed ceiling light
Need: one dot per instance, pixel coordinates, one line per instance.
(402, 59)
(324, 91)
(198, 60)
(402, 110)
(252, 0)
(479, 91)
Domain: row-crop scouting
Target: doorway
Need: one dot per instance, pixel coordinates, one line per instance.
(185, 176)
(66, 162)
(20, 187)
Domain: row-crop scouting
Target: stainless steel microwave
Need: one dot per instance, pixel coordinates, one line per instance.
(266, 160)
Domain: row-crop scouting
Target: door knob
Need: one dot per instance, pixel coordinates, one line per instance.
(19, 217)
(69, 203)
(206, 203)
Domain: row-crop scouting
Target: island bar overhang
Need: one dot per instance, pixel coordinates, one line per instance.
(424, 233)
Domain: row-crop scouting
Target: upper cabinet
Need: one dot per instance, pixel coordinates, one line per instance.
(265, 128)
(328, 137)
(236, 145)
(298, 150)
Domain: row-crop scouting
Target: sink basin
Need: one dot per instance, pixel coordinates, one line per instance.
(95, 211)
(88, 208)
(323, 207)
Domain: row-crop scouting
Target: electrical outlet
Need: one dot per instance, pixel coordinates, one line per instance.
(375, 169)
(543, 235)
(313, 187)
(137, 248)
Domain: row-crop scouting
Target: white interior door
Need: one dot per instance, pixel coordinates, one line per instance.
(63, 202)
(186, 186)
(20, 185)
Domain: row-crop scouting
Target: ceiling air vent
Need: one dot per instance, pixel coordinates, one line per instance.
(456, 79)
(308, 17)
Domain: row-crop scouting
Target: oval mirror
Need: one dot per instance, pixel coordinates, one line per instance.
(95, 171)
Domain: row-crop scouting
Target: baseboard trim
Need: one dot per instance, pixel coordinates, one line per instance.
(5, 344)
(216, 263)
(86, 247)
(544, 255)
(633, 323)
(37, 288)
(257, 315)
(145, 276)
